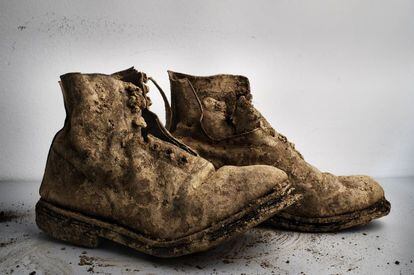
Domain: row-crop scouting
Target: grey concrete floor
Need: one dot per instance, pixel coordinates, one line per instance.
(385, 246)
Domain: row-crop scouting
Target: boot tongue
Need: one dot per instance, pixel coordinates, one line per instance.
(225, 102)
(148, 120)
(137, 78)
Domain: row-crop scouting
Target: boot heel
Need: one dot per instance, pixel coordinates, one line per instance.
(67, 229)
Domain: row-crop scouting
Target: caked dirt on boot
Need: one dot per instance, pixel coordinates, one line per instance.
(215, 116)
(114, 172)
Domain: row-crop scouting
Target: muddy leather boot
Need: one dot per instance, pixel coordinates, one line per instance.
(214, 115)
(114, 172)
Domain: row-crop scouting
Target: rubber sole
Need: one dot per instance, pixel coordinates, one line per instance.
(83, 230)
(334, 223)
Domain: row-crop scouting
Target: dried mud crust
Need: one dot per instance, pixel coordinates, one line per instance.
(83, 230)
(334, 223)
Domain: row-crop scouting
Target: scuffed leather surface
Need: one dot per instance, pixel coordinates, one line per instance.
(106, 163)
(324, 194)
(223, 101)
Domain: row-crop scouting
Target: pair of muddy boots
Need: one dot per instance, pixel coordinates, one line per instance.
(115, 172)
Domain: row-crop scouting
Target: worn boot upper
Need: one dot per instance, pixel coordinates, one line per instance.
(215, 116)
(114, 160)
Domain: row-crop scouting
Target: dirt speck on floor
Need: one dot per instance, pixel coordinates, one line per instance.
(265, 264)
(8, 242)
(226, 261)
(92, 262)
(6, 216)
(85, 260)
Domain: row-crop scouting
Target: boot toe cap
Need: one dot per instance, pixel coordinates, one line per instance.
(338, 195)
(255, 181)
(232, 188)
(364, 191)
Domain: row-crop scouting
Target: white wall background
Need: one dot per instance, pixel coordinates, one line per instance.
(336, 77)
